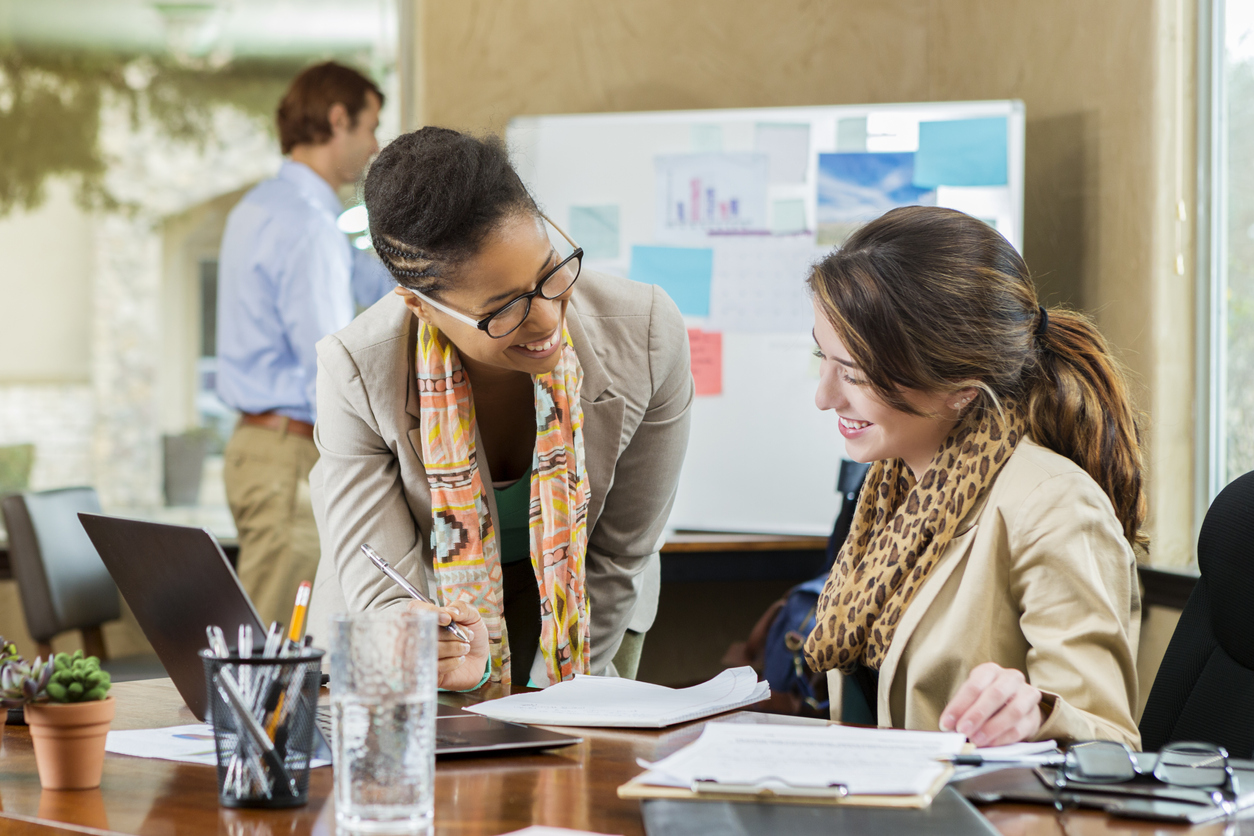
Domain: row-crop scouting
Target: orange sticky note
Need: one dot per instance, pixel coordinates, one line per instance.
(706, 348)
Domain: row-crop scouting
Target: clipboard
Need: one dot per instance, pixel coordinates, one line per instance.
(777, 792)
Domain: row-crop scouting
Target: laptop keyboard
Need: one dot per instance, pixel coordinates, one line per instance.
(323, 719)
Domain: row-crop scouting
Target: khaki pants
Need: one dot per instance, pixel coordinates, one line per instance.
(267, 486)
(627, 659)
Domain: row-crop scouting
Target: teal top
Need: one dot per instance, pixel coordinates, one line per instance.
(857, 706)
(513, 509)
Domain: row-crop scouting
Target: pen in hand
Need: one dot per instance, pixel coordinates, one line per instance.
(400, 581)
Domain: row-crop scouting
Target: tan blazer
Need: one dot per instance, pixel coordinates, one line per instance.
(1038, 577)
(369, 485)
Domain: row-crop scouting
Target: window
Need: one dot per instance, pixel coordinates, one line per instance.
(1227, 157)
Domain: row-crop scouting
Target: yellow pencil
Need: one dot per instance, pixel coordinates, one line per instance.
(295, 636)
(296, 632)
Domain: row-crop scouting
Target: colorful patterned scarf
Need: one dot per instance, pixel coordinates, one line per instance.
(900, 529)
(463, 539)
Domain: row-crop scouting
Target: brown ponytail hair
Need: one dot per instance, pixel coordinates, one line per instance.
(934, 300)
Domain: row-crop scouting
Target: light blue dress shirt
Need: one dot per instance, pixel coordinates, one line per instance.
(287, 277)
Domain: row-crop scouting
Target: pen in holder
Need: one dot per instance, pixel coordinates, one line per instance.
(263, 714)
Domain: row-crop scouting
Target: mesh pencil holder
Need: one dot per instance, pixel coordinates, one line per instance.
(263, 713)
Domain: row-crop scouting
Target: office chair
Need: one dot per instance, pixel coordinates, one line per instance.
(62, 581)
(1204, 689)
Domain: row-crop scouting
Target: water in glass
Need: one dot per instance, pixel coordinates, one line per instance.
(383, 710)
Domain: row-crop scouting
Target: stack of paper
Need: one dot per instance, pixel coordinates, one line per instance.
(1016, 755)
(798, 760)
(610, 701)
(1031, 753)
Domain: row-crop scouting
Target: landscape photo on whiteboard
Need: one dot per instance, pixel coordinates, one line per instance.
(854, 188)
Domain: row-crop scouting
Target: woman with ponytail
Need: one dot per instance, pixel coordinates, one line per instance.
(988, 583)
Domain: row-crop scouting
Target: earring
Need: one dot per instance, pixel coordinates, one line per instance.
(960, 404)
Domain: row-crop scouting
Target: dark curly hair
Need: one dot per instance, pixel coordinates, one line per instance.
(433, 196)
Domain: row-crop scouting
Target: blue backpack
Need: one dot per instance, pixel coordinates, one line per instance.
(795, 689)
(784, 664)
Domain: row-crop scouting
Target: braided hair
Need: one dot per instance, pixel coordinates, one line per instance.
(433, 197)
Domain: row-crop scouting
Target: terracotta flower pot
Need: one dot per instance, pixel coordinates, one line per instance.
(69, 741)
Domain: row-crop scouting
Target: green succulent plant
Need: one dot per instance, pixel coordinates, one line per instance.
(23, 682)
(77, 678)
(8, 651)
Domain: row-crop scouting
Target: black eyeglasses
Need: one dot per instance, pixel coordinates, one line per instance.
(1197, 765)
(506, 319)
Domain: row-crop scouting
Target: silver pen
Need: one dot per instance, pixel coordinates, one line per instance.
(400, 581)
(248, 724)
(217, 641)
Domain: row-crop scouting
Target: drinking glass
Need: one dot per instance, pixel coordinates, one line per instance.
(383, 709)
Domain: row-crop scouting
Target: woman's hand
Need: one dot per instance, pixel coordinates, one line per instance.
(994, 707)
(461, 665)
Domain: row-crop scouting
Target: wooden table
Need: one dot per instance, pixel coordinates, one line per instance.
(475, 796)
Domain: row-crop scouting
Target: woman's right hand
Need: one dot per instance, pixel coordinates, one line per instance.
(461, 664)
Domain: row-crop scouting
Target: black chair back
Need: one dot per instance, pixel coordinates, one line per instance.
(1205, 687)
(63, 583)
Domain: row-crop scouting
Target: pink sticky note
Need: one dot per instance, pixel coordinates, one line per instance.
(707, 360)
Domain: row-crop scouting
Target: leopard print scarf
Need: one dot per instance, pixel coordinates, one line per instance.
(899, 531)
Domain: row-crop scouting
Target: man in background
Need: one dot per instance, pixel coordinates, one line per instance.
(287, 277)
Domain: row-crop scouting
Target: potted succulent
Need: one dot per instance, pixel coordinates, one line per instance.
(8, 653)
(68, 710)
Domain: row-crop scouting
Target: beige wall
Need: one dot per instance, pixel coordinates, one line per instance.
(1108, 128)
(45, 290)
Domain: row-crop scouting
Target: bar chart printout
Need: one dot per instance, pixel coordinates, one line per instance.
(704, 193)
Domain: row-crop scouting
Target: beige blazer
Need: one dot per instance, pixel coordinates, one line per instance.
(369, 485)
(1038, 577)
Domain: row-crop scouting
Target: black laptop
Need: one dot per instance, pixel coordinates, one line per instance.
(177, 581)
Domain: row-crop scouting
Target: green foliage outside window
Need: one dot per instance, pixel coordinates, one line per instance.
(50, 111)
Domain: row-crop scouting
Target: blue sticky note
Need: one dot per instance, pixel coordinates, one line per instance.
(595, 228)
(961, 152)
(684, 273)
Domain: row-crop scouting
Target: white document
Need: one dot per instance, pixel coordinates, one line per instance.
(997, 758)
(889, 133)
(185, 744)
(787, 147)
(1030, 753)
(625, 703)
(759, 283)
(865, 761)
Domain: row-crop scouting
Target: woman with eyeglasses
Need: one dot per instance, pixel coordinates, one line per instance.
(988, 583)
(506, 430)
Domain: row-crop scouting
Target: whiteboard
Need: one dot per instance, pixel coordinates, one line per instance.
(727, 210)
